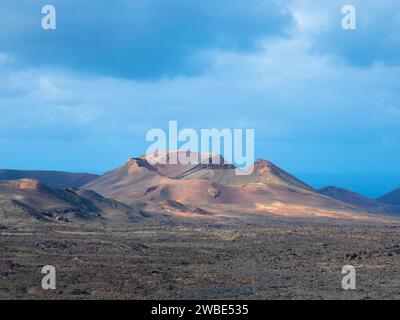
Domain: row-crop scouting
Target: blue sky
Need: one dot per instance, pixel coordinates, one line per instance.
(324, 102)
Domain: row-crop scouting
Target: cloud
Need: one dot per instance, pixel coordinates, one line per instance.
(376, 39)
(284, 91)
(141, 39)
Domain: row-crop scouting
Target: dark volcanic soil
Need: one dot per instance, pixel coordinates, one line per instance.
(263, 259)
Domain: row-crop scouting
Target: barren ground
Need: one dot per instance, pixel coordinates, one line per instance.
(265, 258)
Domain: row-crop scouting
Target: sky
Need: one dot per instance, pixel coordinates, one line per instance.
(324, 102)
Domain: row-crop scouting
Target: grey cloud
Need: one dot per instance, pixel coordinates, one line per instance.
(141, 39)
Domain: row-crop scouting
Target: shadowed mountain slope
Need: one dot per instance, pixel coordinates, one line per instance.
(359, 200)
(31, 199)
(392, 198)
(54, 179)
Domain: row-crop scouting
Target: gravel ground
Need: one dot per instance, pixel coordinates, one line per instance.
(260, 259)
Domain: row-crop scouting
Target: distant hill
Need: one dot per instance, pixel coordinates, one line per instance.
(29, 199)
(348, 197)
(53, 179)
(392, 198)
(359, 200)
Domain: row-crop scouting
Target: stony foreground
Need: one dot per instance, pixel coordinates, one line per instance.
(268, 259)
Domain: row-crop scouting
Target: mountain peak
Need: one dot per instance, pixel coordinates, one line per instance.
(270, 173)
(138, 164)
(180, 157)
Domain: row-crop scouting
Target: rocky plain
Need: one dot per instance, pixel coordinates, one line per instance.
(265, 258)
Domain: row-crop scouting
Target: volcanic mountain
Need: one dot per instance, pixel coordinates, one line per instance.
(29, 199)
(212, 187)
(392, 198)
(359, 200)
(54, 179)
